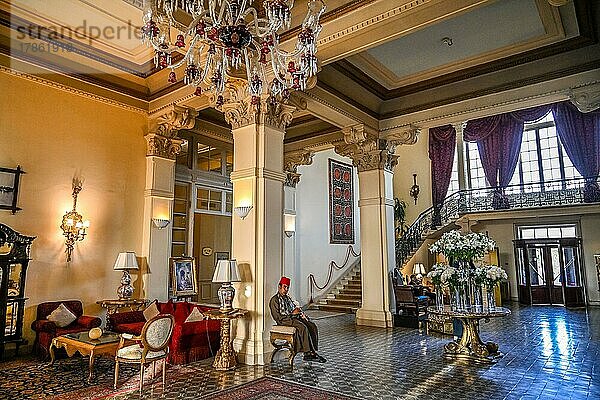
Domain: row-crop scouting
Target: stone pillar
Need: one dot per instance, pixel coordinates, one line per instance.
(460, 150)
(374, 158)
(162, 148)
(257, 241)
(291, 161)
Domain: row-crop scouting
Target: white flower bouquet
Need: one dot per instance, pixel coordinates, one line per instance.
(493, 275)
(459, 247)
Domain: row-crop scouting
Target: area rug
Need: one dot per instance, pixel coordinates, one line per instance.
(268, 388)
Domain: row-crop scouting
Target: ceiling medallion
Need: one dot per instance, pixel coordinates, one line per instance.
(227, 39)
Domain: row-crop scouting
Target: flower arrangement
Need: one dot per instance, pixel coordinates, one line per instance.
(459, 247)
(443, 275)
(493, 275)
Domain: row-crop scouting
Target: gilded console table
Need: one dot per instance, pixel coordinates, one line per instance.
(225, 358)
(470, 346)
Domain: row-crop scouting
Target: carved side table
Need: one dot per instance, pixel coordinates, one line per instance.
(470, 346)
(225, 358)
(113, 306)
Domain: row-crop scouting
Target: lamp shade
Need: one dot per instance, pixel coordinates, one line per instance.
(226, 271)
(419, 268)
(126, 260)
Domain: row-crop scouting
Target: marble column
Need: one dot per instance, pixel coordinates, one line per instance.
(162, 148)
(373, 155)
(257, 240)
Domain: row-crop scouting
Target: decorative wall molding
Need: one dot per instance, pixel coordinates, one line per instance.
(407, 134)
(162, 146)
(71, 90)
(291, 161)
(586, 98)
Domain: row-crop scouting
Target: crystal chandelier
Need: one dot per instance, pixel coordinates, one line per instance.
(228, 39)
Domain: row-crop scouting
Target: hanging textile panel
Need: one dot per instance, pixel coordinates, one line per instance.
(341, 203)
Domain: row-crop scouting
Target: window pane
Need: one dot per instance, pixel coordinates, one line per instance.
(556, 276)
(541, 233)
(179, 235)
(215, 196)
(570, 260)
(228, 202)
(477, 180)
(568, 232)
(536, 266)
(179, 221)
(180, 206)
(203, 194)
(177, 250)
(182, 157)
(554, 233)
(228, 162)
(527, 233)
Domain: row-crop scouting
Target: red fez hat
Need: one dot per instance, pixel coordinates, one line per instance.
(284, 281)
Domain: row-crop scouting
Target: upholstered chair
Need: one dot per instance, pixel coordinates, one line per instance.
(151, 346)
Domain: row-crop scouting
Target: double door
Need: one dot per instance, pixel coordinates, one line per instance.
(548, 271)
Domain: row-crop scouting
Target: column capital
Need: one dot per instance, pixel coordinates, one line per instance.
(162, 146)
(586, 98)
(291, 161)
(459, 127)
(174, 119)
(244, 112)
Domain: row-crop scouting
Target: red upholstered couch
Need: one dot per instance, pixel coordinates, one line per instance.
(47, 330)
(191, 341)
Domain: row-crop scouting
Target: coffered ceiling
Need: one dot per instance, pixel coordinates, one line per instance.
(382, 58)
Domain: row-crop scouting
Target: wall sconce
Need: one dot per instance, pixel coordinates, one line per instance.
(160, 223)
(289, 224)
(243, 211)
(73, 226)
(414, 190)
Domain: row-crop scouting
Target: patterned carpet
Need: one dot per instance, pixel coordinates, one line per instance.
(271, 389)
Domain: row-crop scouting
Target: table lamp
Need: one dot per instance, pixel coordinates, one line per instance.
(125, 261)
(419, 271)
(226, 272)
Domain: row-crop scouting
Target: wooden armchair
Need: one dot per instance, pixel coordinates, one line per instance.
(154, 346)
(410, 308)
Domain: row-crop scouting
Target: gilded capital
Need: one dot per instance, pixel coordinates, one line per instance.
(162, 146)
(407, 134)
(173, 120)
(371, 154)
(243, 112)
(291, 161)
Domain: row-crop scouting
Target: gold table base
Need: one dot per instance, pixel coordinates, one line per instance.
(225, 359)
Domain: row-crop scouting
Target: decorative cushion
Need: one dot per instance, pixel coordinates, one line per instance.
(287, 330)
(61, 316)
(134, 352)
(195, 316)
(151, 311)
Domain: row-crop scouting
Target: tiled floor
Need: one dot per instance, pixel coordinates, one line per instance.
(550, 353)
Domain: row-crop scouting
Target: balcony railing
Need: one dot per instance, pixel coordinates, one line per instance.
(515, 197)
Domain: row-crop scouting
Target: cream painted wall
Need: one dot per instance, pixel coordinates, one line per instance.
(54, 136)
(313, 251)
(413, 159)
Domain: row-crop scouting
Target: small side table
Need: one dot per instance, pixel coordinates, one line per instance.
(225, 358)
(113, 306)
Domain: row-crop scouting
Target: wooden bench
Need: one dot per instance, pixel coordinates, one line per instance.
(282, 337)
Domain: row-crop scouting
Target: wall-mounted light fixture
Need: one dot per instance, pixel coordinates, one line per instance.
(73, 226)
(160, 223)
(242, 211)
(414, 190)
(289, 224)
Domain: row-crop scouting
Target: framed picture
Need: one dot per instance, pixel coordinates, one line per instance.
(183, 276)
(221, 255)
(9, 188)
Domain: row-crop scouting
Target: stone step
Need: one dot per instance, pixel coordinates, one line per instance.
(341, 302)
(346, 310)
(343, 296)
(351, 291)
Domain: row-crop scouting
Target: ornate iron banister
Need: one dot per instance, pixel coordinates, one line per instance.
(492, 199)
(332, 265)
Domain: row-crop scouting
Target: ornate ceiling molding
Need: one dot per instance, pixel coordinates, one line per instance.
(176, 118)
(586, 98)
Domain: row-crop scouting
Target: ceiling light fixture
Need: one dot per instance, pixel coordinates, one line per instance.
(226, 37)
(448, 41)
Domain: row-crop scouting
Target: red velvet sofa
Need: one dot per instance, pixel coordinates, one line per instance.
(46, 330)
(191, 341)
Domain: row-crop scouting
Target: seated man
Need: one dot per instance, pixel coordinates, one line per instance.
(285, 312)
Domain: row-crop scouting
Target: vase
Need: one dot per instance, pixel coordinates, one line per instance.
(439, 298)
(491, 299)
(477, 298)
(459, 301)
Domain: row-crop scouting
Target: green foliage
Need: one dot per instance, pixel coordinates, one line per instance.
(399, 217)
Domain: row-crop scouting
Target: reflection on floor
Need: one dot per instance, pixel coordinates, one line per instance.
(550, 352)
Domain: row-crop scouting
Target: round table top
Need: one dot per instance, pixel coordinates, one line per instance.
(498, 312)
(218, 314)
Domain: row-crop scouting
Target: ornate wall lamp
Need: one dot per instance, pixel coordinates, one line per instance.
(289, 224)
(242, 211)
(160, 223)
(73, 226)
(414, 190)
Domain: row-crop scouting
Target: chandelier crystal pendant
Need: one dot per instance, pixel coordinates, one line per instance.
(227, 39)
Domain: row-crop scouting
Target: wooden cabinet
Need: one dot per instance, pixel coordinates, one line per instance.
(14, 259)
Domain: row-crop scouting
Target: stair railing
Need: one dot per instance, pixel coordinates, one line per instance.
(332, 265)
(492, 199)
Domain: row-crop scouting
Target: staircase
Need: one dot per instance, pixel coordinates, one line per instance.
(345, 297)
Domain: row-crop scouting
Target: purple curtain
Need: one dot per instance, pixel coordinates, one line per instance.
(579, 134)
(442, 142)
(498, 140)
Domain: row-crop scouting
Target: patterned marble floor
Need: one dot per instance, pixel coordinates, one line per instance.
(550, 353)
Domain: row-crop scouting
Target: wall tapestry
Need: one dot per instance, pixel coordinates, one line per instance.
(341, 203)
